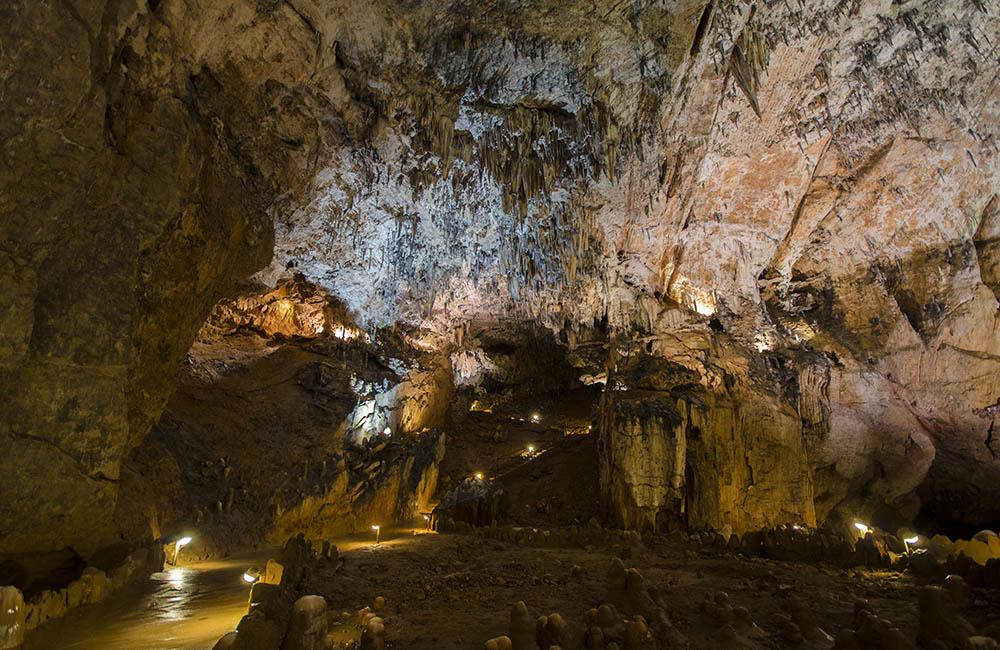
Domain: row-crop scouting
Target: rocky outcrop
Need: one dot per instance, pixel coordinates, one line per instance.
(128, 210)
(674, 454)
(23, 611)
(93, 586)
(385, 488)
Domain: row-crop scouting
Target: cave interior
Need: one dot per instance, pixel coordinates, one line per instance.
(505, 324)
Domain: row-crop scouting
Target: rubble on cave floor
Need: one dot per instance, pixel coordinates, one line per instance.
(442, 591)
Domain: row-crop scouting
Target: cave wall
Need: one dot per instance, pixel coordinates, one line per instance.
(126, 214)
(811, 179)
(676, 453)
(816, 180)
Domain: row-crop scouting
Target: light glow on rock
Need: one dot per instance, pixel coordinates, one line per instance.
(345, 333)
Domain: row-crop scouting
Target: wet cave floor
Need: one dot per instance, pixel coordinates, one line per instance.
(181, 608)
(450, 591)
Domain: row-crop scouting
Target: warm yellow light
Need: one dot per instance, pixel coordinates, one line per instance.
(862, 527)
(249, 578)
(535, 417)
(345, 333)
(531, 449)
(479, 476)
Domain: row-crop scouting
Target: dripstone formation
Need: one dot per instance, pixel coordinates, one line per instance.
(769, 231)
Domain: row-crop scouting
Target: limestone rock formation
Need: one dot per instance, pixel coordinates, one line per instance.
(128, 210)
(288, 419)
(795, 203)
(12, 618)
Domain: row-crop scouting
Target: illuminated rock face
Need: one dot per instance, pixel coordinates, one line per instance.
(707, 463)
(286, 419)
(796, 201)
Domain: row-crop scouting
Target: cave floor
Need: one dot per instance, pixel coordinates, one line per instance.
(447, 591)
(182, 608)
(453, 591)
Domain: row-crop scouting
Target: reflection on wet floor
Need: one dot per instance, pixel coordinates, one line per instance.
(185, 608)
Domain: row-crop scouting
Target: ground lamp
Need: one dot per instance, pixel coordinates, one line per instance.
(181, 543)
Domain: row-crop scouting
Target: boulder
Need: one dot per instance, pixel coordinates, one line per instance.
(594, 639)
(977, 550)
(879, 634)
(555, 631)
(927, 567)
(96, 586)
(802, 616)
(941, 547)
(638, 636)
(474, 502)
(958, 590)
(53, 604)
(267, 600)
(297, 560)
(373, 636)
(74, 594)
(499, 643)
